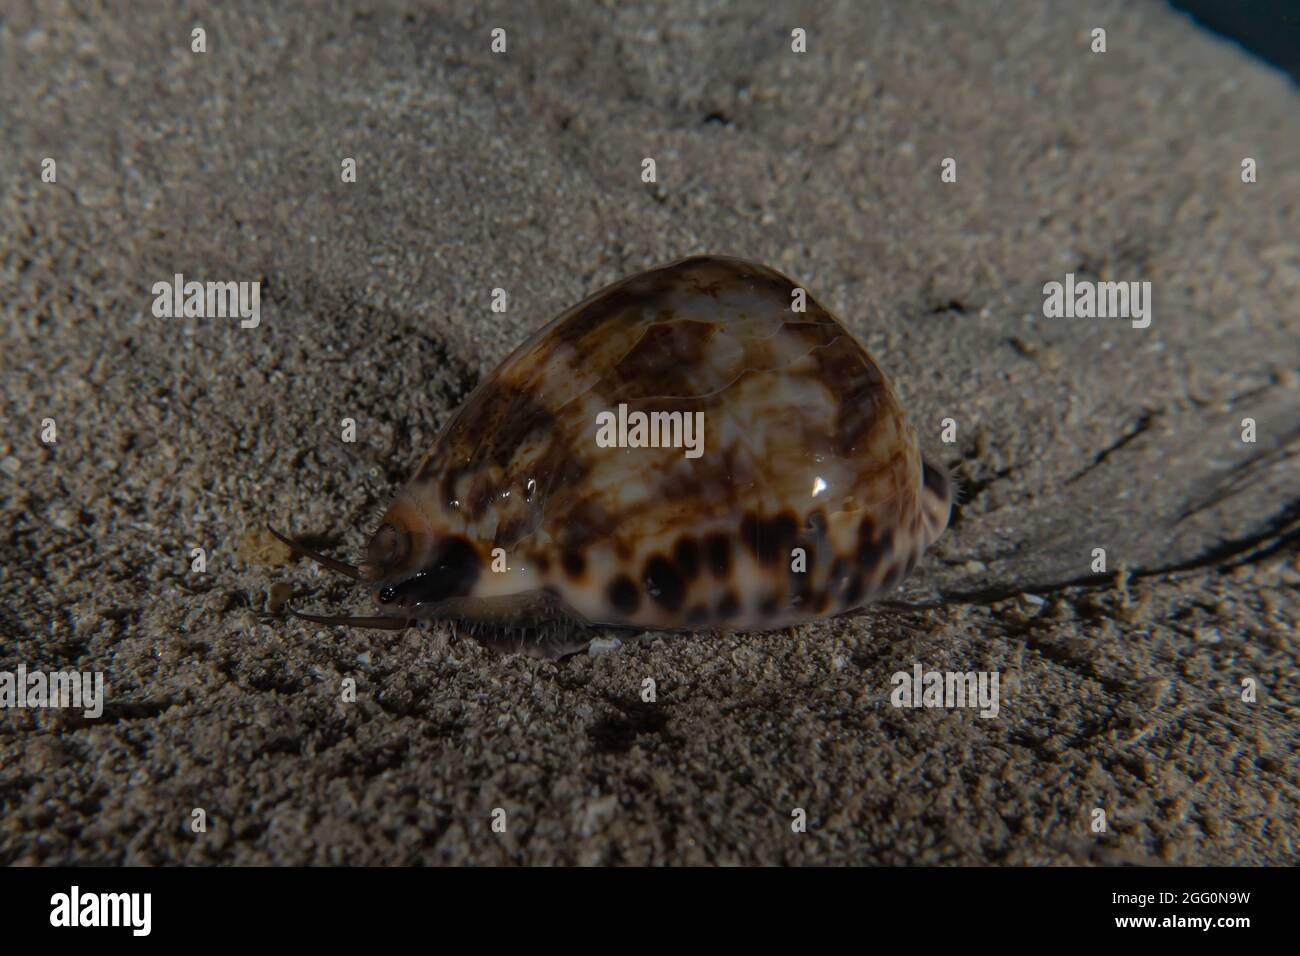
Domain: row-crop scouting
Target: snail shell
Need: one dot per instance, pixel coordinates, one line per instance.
(518, 516)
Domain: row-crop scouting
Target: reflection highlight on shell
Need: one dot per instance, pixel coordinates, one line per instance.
(563, 496)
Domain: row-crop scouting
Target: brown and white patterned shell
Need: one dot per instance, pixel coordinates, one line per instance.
(805, 447)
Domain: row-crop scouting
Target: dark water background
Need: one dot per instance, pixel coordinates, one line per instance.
(1270, 29)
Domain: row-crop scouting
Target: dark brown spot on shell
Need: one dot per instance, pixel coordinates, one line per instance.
(718, 551)
(779, 535)
(873, 552)
(663, 583)
(751, 532)
(623, 595)
(769, 605)
(698, 614)
(769, 541)
(686, 555)
(574, 563)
